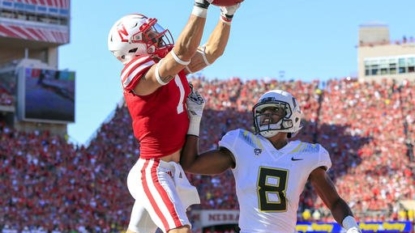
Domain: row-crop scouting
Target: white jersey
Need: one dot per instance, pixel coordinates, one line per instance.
(268, 181)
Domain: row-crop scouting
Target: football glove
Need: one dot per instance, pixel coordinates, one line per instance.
(227, 12)
(195, 104)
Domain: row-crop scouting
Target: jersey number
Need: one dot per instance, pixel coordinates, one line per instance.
(179, 84)
(272, 182)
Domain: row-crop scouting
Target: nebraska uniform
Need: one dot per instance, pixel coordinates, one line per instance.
(269, 193)
(160, 120)
(160, 123)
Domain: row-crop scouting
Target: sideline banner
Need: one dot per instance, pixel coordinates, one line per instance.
(217, 219)
(367, 227)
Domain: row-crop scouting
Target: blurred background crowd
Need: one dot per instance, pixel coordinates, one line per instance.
(51, 185)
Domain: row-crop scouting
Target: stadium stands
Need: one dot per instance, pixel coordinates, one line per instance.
(369, 129)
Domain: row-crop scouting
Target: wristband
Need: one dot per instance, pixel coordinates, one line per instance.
(194, 126)
(199, 12)
(226, 20)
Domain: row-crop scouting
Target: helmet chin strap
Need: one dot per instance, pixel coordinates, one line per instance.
(270, 130)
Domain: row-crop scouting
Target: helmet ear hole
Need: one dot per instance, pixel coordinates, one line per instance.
(132, 50)
(287, 124)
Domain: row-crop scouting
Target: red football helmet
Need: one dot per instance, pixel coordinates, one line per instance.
(226, 2)
(136, 35)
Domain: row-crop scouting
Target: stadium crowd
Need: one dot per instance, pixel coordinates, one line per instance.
(50, 185)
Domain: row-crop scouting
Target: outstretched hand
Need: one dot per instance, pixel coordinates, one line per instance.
(195, 104)
(227, 12)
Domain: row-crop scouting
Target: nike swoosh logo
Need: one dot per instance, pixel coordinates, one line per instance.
(294, 159)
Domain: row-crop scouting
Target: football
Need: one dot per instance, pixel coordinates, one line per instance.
(225, 2)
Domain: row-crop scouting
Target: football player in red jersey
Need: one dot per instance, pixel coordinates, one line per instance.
(155, 89)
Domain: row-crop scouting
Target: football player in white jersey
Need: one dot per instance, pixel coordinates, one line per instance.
(270, 170)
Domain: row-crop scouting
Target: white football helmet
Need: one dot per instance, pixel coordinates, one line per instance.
(290, 123)
(135, 35)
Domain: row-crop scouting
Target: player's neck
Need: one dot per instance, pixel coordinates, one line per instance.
(279, 144)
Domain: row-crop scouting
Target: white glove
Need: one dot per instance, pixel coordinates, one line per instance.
(227, 12)
(351, 225)
(195, 104)
(354, 230)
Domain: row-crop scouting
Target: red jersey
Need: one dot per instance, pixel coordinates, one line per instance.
(159, 120)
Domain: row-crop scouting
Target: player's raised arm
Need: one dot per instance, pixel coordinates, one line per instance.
(148, 51)
(180, 56)
(215, 46)
(210, 162)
